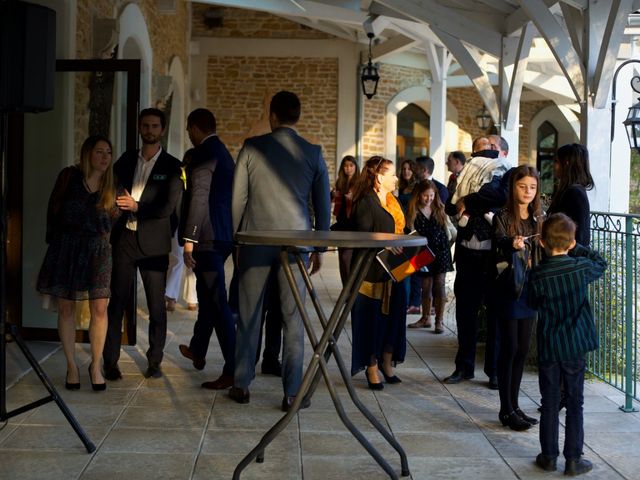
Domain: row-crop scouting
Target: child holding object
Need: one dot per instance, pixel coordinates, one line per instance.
(426, 215)
(566, 332)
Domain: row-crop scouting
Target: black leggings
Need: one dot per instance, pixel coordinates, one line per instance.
(515, 339)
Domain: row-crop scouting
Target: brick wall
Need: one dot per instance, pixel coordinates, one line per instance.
(241, 23)
(239, 90)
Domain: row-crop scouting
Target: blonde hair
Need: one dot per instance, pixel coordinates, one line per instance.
(107, 194)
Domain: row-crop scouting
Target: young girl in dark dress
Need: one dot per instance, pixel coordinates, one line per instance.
(77, 265)
(426, 215)
(515, 228)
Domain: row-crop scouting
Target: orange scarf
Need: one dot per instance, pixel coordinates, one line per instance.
(395, 210)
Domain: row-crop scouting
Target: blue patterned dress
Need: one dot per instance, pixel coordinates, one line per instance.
(77, 265)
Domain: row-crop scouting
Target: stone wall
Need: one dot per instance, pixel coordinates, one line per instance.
(239, 90)
(239, 23)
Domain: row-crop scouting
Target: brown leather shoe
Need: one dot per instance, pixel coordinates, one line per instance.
(221, 383)
(287, 402)
(198, 362)
(240, 395)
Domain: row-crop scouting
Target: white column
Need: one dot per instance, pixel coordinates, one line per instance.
(437, 144)
(594, 134)
(513, 139)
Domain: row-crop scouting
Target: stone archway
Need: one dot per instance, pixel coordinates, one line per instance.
(134, 42)
(419, 95)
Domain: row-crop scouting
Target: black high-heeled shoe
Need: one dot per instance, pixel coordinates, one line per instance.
(391, 379)
(373, 386)
(72, 386)
(97, 387)
(525, 417)
(513, 421)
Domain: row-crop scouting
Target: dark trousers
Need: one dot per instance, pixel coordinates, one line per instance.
(471, 287)
(271, 321)
(127, 256)
(271, 324)
(515, 336)
(213, 309)
(569, 374)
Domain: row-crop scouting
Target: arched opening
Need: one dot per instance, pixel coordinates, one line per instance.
(412, 137)
(546, 146)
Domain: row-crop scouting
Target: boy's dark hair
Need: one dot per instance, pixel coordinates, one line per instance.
(558, 232)
(286, 107)
(203, 119)
(156, 112)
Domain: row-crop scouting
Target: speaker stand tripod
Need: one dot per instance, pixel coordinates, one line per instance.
(12, 329)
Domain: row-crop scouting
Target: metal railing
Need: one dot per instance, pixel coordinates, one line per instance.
(614, 299)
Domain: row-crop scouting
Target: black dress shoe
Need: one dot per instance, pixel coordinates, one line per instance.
(493, 382)
(577, 466)
(457, 377)
(391, 379)
(548, 464)
(72, 386)
(96, 387)
(372, 385)
(221, 383)
(514, 422)
(153, 370)
(240, 395)
(525, 417)
(272, 368)
(287, 402)
(112, 373)
(198, 362)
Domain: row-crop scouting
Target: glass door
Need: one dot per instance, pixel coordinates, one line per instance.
(91, 97)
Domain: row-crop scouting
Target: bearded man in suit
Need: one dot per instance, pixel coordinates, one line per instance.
(149, 189)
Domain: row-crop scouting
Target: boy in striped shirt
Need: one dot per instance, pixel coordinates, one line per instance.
(566, 332)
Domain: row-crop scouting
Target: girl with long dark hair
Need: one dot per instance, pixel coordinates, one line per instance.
(516, 230)
(342, 198)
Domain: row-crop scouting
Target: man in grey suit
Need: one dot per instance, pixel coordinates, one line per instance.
(276, 175)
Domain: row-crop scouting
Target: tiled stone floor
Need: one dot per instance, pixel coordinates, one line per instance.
(170, 428)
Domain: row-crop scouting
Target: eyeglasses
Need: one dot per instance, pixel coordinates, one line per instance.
(380, 160)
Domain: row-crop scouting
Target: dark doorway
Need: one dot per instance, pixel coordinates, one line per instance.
(547, 144)
(413, 133)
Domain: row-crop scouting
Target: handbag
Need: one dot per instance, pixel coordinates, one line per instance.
(513, 275)
(409, 261)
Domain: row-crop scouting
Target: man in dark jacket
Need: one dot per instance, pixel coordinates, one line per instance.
(206, 231)
(149, 188)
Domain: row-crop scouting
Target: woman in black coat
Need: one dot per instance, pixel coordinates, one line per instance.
(378, 316)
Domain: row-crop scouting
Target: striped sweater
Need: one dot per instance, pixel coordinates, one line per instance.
(558, 290)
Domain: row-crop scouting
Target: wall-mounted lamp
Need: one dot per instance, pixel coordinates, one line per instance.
(369, 76)
(632, 123)
(484, 119)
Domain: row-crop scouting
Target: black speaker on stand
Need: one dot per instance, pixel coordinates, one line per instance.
(27, 69)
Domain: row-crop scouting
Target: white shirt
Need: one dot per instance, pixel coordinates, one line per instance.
(140, 177)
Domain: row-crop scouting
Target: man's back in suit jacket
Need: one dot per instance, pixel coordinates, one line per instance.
(207, 201)
(275, 174)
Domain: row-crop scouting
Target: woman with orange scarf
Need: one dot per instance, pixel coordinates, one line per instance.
(378, 316)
